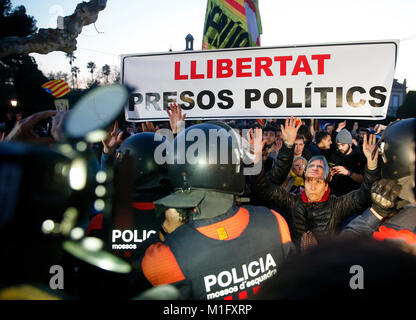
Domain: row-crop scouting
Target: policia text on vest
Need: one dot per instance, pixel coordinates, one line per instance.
(248, 275)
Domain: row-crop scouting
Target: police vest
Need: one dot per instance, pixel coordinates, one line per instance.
(128, 236)
(129, 233)
(401, 226)
(229, 269)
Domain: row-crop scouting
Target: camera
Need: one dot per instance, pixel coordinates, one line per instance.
(48, 193)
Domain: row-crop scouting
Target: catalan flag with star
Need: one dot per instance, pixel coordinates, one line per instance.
(57, 88)
(231, 24)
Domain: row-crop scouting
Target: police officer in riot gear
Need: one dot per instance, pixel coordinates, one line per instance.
(211, 248)
(151, 181)
(393, 212)
(135, 223)
(132, 224)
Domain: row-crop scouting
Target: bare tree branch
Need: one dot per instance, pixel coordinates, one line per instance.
(48, 40)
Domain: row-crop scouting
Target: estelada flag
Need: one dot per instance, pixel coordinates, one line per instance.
(57, 88)
(261, 122)
(231, 24)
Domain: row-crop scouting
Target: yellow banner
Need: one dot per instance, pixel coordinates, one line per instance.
(231, 24)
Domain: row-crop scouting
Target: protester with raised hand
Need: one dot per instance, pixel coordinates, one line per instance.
(283, 163)
(113, 140)
(149, 127)
(110, 144)
(176, 119)
(315, 210)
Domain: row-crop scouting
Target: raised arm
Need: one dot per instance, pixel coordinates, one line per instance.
(284, 161)
(271, 195)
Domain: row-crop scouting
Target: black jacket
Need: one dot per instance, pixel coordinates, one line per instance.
(322, 218)
(355, 162)
(316, 151)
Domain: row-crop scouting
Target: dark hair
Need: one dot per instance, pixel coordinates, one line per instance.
(270, 128)
(300, 137)
(304, 131)
(329, 124)
(320, 135)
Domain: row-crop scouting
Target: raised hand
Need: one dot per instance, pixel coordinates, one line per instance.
(23, 130)
(290, 130)
(255, 138)
(57, 131)
(149, 127)
(113, 140)
(379, 127)
(176, 119)
(370, 151)
(341, 125)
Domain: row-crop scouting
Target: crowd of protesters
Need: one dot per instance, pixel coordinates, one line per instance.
(320, 179)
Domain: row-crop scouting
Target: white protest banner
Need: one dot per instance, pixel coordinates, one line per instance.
(332, 81)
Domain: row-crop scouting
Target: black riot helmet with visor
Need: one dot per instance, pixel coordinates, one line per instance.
(205, 170)
(397, 150)
(149, 174)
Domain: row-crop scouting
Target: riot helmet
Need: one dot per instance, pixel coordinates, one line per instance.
(205, 168)
(141, 147)
(397, 149)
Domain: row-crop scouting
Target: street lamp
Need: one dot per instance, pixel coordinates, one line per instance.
(13, 103)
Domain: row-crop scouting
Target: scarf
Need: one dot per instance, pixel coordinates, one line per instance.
(298, 181)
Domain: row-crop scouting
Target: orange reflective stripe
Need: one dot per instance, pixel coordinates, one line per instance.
(284, 228)
(159, 265)
(384, 233)
(233, 226)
